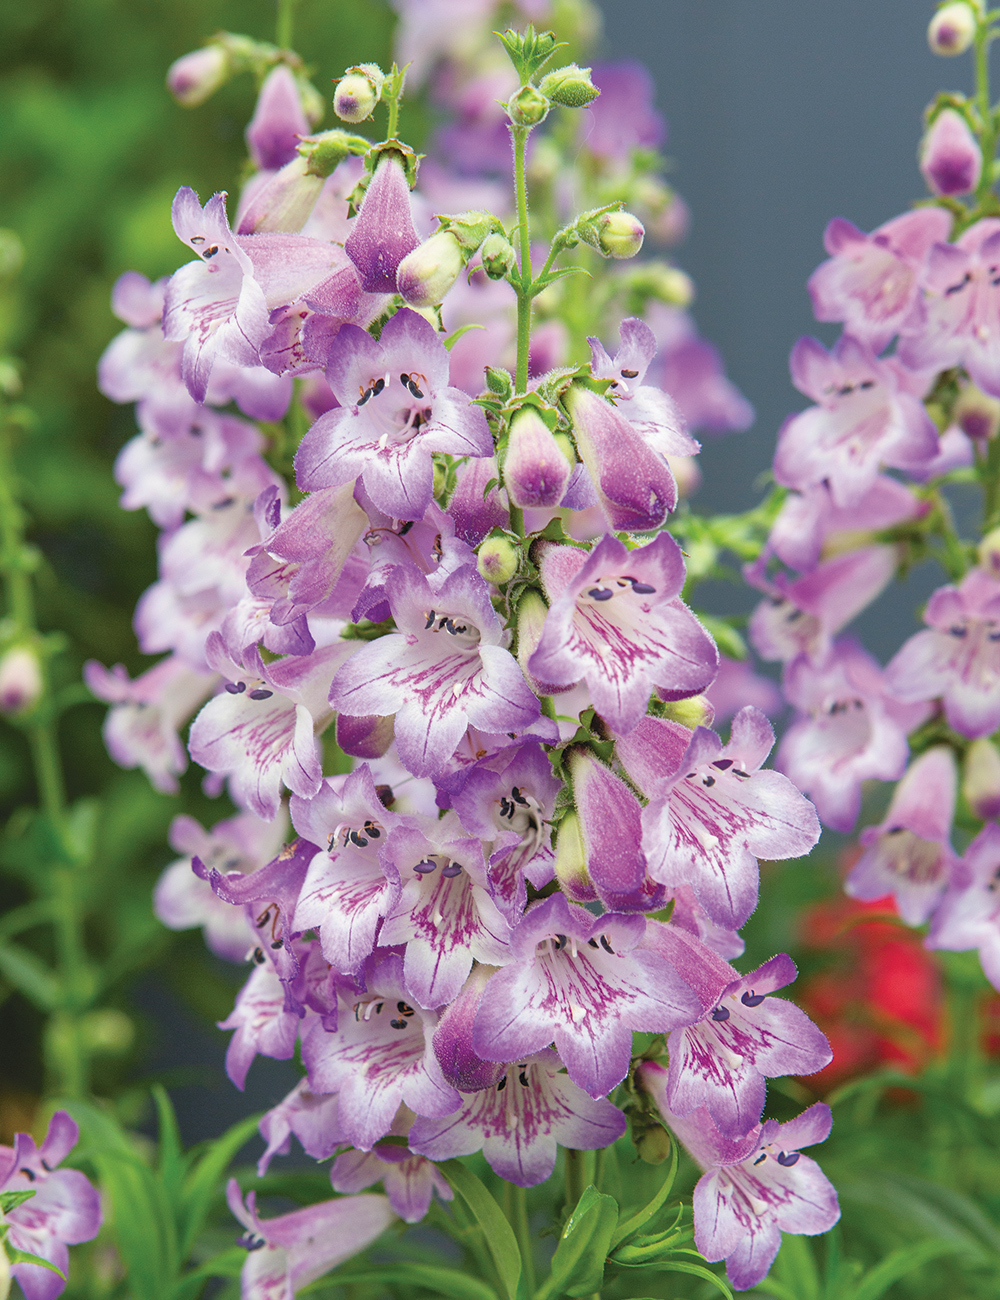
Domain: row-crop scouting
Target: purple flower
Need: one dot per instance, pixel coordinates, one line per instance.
(871, 281)
(383, 232)
(712, 812)
(850, 729)
(141, 729)
(969, 913)
(182, 900)
(311, 1116)
(909, 855)
(736, 685)
(261, 729)
(278, 122)
(64, 1210)
(868, 415)
(755, 1187)
(623, 117)
(958, 657)
(262, 1021)
(810, 521)
(583, 983)
(286, 1253)
(475, 511)
(955, 323)
(616, 622)
(379, 1057)
(519, 1121)
(535, 471)
(409, 1180)
(721, 1062)
(396, 409)
(445, 669)
(950, 158)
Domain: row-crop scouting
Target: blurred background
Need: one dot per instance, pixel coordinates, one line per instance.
(781, 116)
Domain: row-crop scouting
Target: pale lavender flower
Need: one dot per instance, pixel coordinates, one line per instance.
(736, 685)
(383, 232)
(968, 915)
(409, 1180)
(810, 522)
(263, 1022)
(310, 1116)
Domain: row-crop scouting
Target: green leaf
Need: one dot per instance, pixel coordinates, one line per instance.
(204, 1177)
(889, 1270)
(578, 1264)
(633, 1224)
(455, 335)
(11, 1200)
(171, 1153)
(444, 1281)
(227, 1264)
(26, 1257)
(797, 1267)
(30, 976)
(696, 1270)
(500, 1239)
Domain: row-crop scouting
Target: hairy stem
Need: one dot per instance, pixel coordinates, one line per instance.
(523, 287)
(286, 24)
(988, 139)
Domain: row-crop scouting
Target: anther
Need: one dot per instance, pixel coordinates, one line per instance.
(607, 946)
(236, 688)
(787, 1160)
(452, 870)
(398, 1024)
(722, 763)
(643, 589)
(260, 695)
(414, 389)
(720, 1014)
(752, 999)
(522, 1078)
(377, 387)
(592, 943)
(502, 1084)
(560, 943)
(258, 957)
(630, 374)
(762, 1156)
(430, 620)
(517, 796)
(600, 593)
(425, 867)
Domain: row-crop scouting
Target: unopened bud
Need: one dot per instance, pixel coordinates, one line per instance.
(365, 737)
(565, 444)
(988, 552)
(440, 478)
(425, 275)
(20, 680)
(687, 474)
(570, 86)
(285, 202)
(497, 560)
(661, 282)
(535, 471)
(620, 234)
(950, 158)
(531, 615)
(571, 860)
(952, 29)
(357, 93)
(527, 107)
(697, 711)
(981, 779)
(193, 77)
(498, 256)
(977, 414)
(654, 1145)
(107, 1031)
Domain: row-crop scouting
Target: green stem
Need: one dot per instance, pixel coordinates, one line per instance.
(988, 140)
(522, 1231)
(577, 1179)
(990, 476)
(523, 286)
(393, 126)
(286, 24)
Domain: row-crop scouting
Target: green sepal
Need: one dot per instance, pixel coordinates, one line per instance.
(499, 381)
(497, 1233)
(11, 1200)
(529, 51)
(26, 1257)
(324, 152)
(578, 1264)
(455, 335)
(470, 228)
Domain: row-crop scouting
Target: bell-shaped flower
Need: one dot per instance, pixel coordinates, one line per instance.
(755, 1187)
(958, 658)
(396, 409)
(261, 729)
(286, 1253)
(444, 914)
(851, 727)
(950, 158)
(347, 891)
(383, 231)
(871, 281)
(981, 779)
(444, 670)
(712, 812)
(278, 121)
(868, 415)
(957, 320)
(633, 482)
(182, 900)
(909, 855)
(409, 1180)
(379, 1057)
(585, 984)
(811, 523)
(263, 1023)
(722, 1061)
(968, 915)
(535, 470)
(519, 1122)
(63, 1207)
(310, 1116)
(140, 729)
(616, 621)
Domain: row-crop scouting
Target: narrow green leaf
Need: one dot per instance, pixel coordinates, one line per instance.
(444, 1281)
(11, 1200)
(171, 1152)
(30, 976)
(227, 1264)
(578, 1264)
(878, 1280)
(633, 1224)
(500, 1239)
(26, 1257)
(455, 335)
(204, 1178)
(696, 1270)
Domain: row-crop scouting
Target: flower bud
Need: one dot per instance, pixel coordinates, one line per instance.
(952, 29)
(565, 444)
(570, 86)
(425, 275)
(531, 615)
(977, 414)
(365, 737)
(571, 860)
(988, 552)
(527, 107)
(981, 779)
(497, 560)
(193, 77)
(285, 202)
(950, 159)
(440, 479)
(697, 711)
(20, 680)
(661, 282)
(356, 95)
(654, 1145)
(535, 471)
(620, 234)
(498, 256)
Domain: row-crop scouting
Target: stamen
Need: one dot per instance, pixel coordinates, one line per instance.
(720, 1014)
(260, 695)
(630, 374)
(787, 1160)
(751, 999)
(607, 946)
(592, 943)
(600, 593)
(643, 589)
(398, 1024)
(377, 387)
(452, 870)
(762, 1156)
(425, 867)
(430, 620)
(369, 392)
(236, 688)
(502, 1084)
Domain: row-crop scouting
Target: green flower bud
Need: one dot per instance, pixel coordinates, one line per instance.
(571, 859)
(499, 381)
(527, 106)
(497, 560)
(498, 256)
(357, 93)
(619, 234)
(570, 86)
(981, 779)
(440, 478)
(107, 1031)
(654, 1145)
(425, 275)
(977, 414)
(565, 444)
(952, 29)
(694, 712)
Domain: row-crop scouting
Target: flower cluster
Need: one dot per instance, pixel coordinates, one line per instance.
(465, 606)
